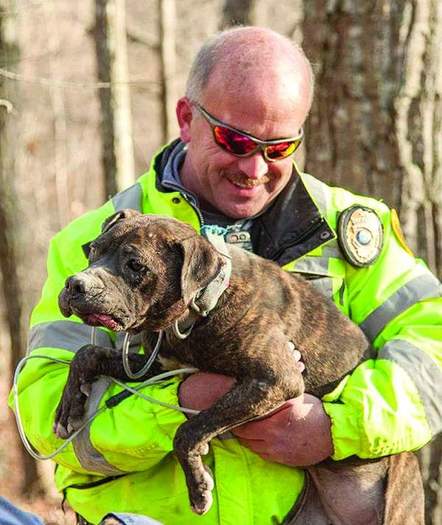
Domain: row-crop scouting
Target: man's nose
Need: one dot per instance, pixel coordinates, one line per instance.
(254, 166)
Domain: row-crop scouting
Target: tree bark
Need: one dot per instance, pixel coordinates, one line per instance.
(110, 37)
(59, 127)
(237, 12)
(376, 124)
(121, 94)
(168, 67)
(104, 66)
(9, 260)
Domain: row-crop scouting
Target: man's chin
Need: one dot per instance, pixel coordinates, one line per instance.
(241, 202)
(241, 211)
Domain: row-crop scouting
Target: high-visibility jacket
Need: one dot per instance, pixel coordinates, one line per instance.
(123, 461)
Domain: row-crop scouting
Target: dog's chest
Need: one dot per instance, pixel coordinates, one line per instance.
(173, 362)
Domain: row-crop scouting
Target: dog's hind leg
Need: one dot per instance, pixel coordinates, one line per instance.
(404, 501)
(247, 400)
(352, 492)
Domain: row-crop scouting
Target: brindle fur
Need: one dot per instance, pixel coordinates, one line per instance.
(245, 336)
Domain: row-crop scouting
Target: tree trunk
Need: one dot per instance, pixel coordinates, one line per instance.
(121, 94)
(10, 287)
(375, 126)
(104, 66)
(237, 12)
(116, 116)
(59, 127)
(168, 66)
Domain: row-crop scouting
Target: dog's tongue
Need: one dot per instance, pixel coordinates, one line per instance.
(102, 320)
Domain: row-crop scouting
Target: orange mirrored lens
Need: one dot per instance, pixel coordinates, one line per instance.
(241, 145)
(281, 150)
(233, 142)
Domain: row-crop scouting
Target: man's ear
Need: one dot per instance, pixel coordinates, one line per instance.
(201, 263)
(184, 116)
(111, 221)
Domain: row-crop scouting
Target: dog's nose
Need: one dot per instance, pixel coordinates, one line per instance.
(75, 285)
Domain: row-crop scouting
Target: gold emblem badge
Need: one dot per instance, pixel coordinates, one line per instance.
(360, 235)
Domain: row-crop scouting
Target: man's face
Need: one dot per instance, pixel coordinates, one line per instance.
(237, 187)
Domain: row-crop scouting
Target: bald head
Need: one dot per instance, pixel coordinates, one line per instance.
(252, 59)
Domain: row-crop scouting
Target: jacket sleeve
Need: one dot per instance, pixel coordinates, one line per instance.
(135, 434)
(392, 403)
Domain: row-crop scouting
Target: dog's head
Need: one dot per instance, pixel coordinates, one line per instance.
(143, 272)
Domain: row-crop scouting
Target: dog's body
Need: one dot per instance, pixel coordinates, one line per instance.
(144, 275)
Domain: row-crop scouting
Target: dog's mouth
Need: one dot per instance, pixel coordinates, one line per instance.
(103, 320)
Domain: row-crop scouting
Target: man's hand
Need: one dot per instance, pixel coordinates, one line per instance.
(296, 434)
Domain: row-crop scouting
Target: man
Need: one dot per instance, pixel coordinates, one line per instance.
(248, 95)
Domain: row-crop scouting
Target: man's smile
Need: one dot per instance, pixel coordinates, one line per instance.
(247, 182)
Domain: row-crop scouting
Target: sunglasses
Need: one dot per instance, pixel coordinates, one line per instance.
(243, 144)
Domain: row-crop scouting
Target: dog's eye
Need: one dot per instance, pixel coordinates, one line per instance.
(135, 265)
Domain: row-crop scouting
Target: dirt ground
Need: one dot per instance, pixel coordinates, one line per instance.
(48, 506)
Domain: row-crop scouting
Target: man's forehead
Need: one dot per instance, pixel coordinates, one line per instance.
(262, 116)
(283, 100)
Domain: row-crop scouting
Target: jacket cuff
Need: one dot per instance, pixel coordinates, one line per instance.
(346, 434)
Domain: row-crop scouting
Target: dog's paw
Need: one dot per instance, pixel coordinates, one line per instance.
(70, 412)
(63, 431)
(86, 388)
(66, 426)
(60, 431)
(201, 496)
(202, 503)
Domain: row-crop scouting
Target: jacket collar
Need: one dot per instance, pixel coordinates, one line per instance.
(291, 227)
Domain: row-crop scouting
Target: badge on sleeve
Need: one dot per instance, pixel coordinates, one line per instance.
(360, 235)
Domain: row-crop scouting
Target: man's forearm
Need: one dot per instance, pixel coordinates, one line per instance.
(296, 434)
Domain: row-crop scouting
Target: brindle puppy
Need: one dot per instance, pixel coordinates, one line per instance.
(144, 273)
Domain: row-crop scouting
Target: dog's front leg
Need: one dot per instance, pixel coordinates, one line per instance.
(89, 362)
(247, 400)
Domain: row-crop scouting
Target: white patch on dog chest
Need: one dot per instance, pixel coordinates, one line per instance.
(172, 363)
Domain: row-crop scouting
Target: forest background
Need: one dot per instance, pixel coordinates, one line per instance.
(87, 93)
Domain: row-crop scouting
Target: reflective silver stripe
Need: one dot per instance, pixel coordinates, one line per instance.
(419, 288)
(64, 334)
(317, 190)
(316, 265)
(130, 198)
(425, 374)
(332, 251)
(323, 285)
(88, 456)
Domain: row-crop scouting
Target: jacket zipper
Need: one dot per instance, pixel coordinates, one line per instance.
(197, 210)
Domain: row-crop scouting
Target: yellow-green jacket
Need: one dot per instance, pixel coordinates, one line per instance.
(123, 461)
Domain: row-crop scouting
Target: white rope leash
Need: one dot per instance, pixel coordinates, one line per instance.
(126, 364)
(134, 391)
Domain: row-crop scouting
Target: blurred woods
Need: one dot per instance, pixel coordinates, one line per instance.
(87, 94)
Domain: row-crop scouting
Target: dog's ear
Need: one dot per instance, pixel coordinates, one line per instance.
(111, 221)
(201, 263)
